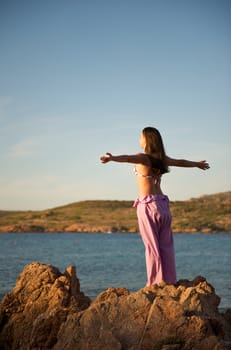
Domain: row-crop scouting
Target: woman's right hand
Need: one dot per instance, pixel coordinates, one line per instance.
(203, 165)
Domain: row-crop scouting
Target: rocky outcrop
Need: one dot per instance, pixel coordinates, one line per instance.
(22, 228)
(32, 313)
(46, 310)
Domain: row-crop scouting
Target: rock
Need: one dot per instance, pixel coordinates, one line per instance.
(31, 314)
(22, 228)
(46, 310)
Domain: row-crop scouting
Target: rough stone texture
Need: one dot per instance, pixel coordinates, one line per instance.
(46, 310)
(31, 314)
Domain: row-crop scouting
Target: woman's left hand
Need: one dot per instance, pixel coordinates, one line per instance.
(106, 158)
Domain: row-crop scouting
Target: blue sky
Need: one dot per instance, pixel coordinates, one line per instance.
(80, 78)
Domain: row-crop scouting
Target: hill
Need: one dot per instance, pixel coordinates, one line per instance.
(208, 213)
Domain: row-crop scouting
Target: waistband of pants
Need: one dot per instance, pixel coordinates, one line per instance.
(150, 198)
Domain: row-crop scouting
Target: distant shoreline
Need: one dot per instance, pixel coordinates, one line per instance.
(114, 233)
(108, 233)
(205, 214)
(105, 233)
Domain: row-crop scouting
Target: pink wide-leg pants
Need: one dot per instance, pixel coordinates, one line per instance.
(154, 219)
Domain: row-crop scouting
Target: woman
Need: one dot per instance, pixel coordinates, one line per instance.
(154, 217)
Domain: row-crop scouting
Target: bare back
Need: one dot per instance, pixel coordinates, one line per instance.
(148, 183)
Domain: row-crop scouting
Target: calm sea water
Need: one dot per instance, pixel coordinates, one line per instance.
(106, 260)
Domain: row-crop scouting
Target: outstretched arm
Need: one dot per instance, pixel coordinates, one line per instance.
(135, 158)
(203, 165)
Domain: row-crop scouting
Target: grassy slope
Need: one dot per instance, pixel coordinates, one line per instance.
(205, 214)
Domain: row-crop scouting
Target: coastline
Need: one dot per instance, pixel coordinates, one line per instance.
(205, 214)
(32, 230)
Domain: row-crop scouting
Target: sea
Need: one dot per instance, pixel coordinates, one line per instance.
(105, 260)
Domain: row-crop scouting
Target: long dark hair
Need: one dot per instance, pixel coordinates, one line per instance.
(155, 149)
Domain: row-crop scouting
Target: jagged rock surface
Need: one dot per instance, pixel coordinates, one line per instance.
(46, 310)
(32, 313)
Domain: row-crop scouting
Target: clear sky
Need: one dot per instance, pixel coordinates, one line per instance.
(79, 78)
